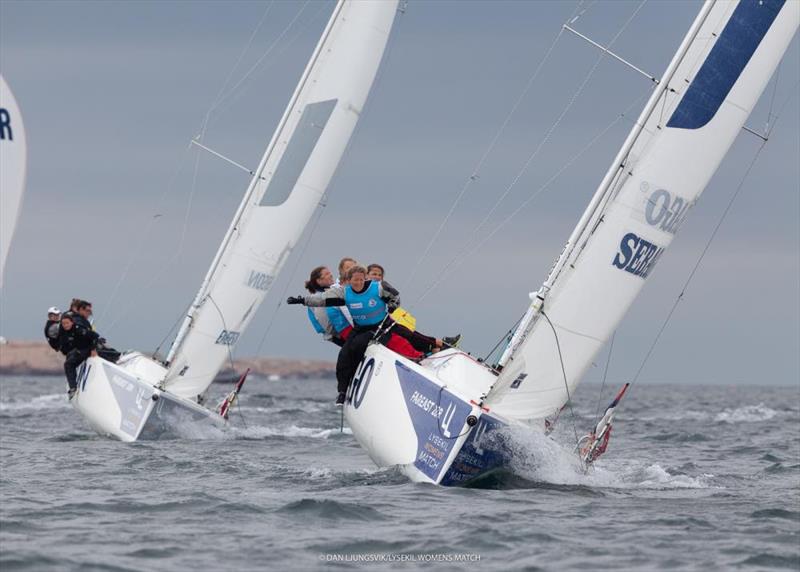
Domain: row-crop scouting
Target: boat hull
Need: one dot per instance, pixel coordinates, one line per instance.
(120, 401)
(425, 418)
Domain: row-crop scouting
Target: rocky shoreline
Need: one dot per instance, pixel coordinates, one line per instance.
(37, 358)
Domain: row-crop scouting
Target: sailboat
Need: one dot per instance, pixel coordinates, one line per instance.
(13, 152)
(143, 398)
(442, 420)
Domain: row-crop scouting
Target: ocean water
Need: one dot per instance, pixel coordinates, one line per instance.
(696, 478)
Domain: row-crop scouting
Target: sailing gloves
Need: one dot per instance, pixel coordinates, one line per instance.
(295, 300)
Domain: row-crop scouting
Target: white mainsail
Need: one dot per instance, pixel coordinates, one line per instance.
(687, 127)
(13, 152)
(291, 178)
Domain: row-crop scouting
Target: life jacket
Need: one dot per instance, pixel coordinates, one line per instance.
(327, 321)
(366, 308)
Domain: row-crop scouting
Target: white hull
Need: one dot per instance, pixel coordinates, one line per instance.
(121, 400)
(425, 418)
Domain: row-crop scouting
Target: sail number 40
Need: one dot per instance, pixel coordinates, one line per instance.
(358, 387)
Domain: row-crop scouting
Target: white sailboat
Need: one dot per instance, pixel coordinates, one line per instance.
(435, 420)
(13, 165)
(139, 397)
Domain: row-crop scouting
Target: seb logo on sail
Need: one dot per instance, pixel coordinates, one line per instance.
(664, 211)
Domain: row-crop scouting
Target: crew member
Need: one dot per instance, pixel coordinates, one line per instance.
(77, 343)
(369, 303)
(375, 272)
(52, 326)
(331, 322)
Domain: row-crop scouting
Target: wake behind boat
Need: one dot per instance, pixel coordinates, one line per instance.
(439, 420)
(140, 397)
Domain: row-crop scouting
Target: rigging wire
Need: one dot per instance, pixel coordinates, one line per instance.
(504, 337)
(218, 98)
(140, 246)
(255, 66)
(476, 170)
(466, 254)
(703, 253)
(456, 260)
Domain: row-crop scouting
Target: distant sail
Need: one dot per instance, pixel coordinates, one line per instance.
(690, 122)
(13, 158)
(292, 177)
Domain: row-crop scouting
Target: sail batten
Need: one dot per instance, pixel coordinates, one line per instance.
(706, 95)
(288, 184)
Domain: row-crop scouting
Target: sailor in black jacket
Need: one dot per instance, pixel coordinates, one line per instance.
(77, 343)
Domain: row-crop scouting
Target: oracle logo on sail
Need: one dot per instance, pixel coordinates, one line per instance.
(259, 280)
(664, 210)
(637, 255)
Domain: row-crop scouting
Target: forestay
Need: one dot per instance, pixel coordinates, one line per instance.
(690, 122)
(288, 184)
(12, 169)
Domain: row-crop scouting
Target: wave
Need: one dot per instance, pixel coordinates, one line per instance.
(747, 414)
(49, 401)
(539, 458)
(205, 431)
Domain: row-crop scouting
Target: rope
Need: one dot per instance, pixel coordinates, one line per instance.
(564, 373)
(475, 171)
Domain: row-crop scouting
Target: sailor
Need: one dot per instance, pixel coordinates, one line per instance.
(83, 314)
(345, 264)
(52, 326)
(77, 343)
(375, 272)
(369, 303)
(83, 317)
(331, 322)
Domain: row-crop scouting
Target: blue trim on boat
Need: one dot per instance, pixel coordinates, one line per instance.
(438, 417)
(483, 451)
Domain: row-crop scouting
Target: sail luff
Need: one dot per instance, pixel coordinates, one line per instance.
(204, 286)
(606, 185)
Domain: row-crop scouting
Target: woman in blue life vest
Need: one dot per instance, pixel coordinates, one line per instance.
(331, 322)
(369, 303)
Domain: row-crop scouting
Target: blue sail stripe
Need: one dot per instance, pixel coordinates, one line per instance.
(737, 43)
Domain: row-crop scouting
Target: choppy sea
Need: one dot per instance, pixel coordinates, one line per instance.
(696, 478)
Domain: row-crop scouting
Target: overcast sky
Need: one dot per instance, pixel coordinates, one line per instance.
(112, 92)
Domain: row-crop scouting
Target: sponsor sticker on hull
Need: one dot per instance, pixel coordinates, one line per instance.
(438, 417)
